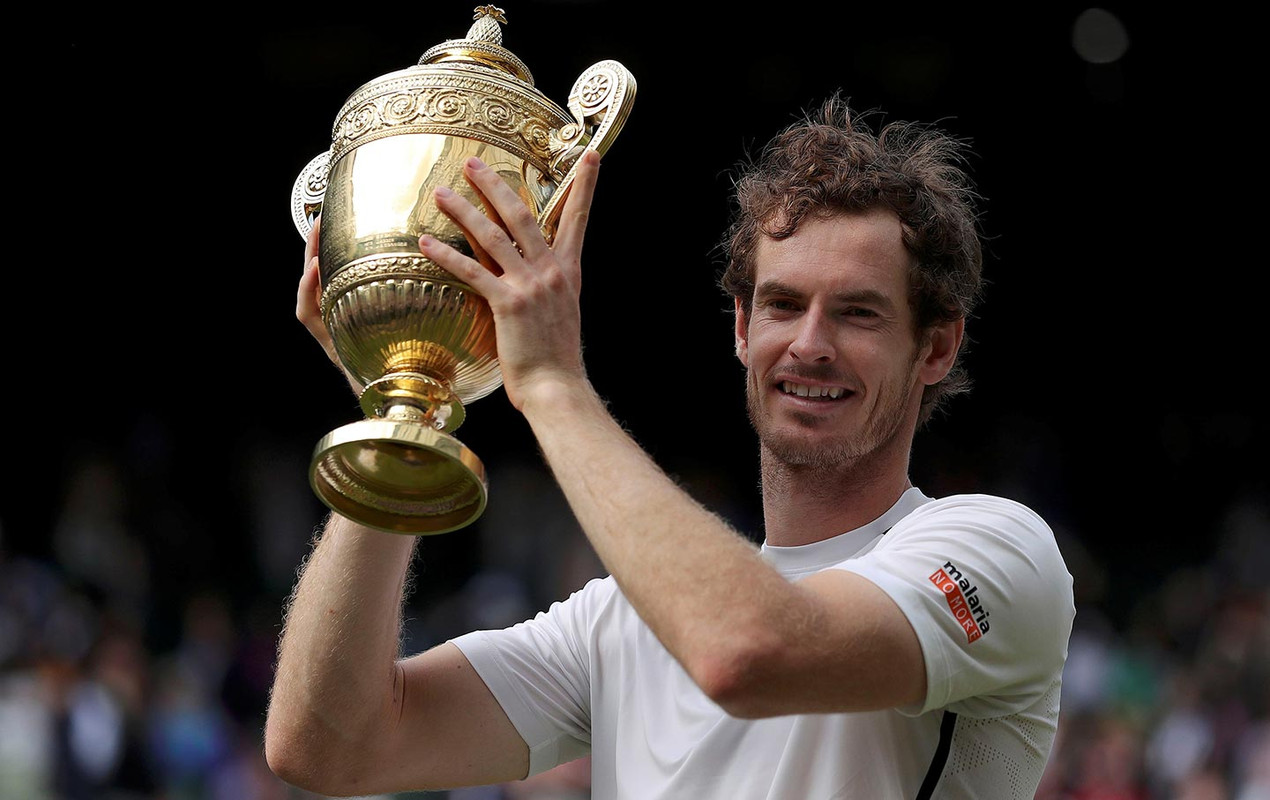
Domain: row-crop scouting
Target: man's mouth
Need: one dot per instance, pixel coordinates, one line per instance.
(812, 392)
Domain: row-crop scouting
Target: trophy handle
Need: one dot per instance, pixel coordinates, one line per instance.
(308, 191)
(600, 102)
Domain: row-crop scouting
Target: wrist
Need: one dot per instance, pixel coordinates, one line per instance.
(368, 543)
(561, 392)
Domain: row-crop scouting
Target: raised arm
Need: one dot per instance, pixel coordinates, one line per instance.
(347, 715)
(754, 642)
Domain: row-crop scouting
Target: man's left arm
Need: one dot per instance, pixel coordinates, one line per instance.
(754, 642)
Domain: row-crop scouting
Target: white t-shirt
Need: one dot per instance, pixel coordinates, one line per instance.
(983, 584)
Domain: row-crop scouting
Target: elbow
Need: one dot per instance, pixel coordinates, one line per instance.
(284, 759)
(298, 759)
(289, 759)
(333, 748)
(305, 771)
(739, 677)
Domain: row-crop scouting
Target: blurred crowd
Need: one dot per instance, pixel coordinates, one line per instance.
(128, 673)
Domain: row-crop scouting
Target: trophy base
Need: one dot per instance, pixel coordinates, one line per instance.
(399, 476)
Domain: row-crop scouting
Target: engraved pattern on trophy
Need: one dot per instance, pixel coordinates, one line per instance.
(308, 192)
(420, 341)
(369, 270)
(474, 105)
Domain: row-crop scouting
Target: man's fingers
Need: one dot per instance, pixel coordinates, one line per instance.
(306, 296)
(491, 210)
(308, 300)
(482, 257)
(486, 236)
(311, 243)
(577, 209)
(506, 236)
(460, 266)
(508, 210)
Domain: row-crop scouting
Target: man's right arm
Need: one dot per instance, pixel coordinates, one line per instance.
(346, 715)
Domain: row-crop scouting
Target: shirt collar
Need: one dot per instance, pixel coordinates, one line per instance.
(803, 558)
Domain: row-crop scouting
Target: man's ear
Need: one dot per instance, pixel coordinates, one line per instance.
(742, 334)
(943, 341)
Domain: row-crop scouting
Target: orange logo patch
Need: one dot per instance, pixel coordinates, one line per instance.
(963, 600)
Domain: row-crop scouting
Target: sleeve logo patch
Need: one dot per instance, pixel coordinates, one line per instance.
(963, 600)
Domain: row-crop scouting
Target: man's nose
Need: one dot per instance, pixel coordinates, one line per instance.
(813, 341)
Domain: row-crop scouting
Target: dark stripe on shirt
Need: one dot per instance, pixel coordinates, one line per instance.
(941, 757)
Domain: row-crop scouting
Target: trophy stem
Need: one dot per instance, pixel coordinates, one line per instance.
(413, 397)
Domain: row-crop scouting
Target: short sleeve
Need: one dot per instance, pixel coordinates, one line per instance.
(986, 589)
(539, 672)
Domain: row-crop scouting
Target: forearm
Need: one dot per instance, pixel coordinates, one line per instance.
(701, 587)
(753, 641)
(336, 681)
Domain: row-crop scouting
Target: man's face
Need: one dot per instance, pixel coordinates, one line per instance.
(835, 369)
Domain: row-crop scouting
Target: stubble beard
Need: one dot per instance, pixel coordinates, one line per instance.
(839, 452)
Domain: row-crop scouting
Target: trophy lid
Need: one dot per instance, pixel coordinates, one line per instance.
(483, 46)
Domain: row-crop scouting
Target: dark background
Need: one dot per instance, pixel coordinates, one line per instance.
(161, 400)
(150, 316)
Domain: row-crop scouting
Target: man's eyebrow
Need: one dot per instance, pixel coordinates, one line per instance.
(767, 288)
(869, 297)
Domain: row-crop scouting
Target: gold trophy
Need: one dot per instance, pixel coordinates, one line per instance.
(419, 340)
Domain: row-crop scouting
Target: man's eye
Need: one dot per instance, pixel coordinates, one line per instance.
(782, 305)
(861, 312)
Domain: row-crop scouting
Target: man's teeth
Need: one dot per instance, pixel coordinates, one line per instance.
(803, 390)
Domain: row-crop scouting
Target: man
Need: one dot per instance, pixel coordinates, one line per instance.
(880, 644)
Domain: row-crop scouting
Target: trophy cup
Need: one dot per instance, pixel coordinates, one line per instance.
(420, 341)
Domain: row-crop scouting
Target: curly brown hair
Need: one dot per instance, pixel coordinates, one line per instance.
(831, 162)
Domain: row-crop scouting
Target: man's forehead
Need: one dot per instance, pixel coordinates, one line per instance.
(866, 246)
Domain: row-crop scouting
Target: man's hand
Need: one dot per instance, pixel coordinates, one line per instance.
(308, 303)
(531, 287)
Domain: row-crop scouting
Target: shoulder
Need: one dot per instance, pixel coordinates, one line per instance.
(564, 627)
(993, 549)
(978, 520)
(596, 591)
(985, 587)
(591, 598)
(971, 506)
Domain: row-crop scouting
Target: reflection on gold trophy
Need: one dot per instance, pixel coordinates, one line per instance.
(420, 341)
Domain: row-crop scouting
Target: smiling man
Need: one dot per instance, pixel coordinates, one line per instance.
(879, 644)
(831, 345)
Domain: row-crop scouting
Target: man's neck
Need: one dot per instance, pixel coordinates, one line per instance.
(802, 505)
